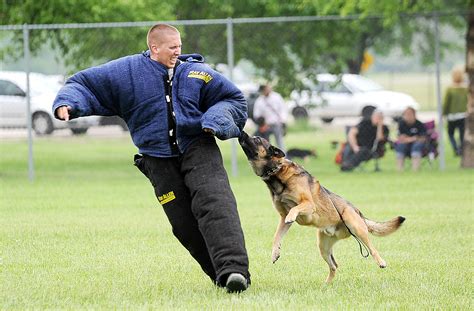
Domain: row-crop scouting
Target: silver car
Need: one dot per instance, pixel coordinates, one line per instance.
(43, 90)
(346, 95)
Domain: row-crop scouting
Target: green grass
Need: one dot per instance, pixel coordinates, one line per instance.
(89, 233)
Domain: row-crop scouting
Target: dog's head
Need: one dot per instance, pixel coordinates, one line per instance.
(263, 157)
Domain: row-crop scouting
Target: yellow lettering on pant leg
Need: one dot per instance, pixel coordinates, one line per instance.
(167, 197)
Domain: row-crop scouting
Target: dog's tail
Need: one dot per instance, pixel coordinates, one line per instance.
(384, 228)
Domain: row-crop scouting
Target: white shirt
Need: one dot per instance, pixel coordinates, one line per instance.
(272, 108)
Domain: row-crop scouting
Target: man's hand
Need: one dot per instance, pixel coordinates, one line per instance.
(63, 112)
(356, 148)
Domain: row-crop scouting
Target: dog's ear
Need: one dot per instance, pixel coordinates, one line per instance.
(274, 151)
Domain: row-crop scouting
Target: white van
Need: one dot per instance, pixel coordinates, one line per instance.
(346, 96)
(43, 90)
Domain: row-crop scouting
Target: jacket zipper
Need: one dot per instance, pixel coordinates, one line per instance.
(173, 141)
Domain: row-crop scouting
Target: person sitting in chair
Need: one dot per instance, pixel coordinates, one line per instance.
(364, 141)
(411, 139)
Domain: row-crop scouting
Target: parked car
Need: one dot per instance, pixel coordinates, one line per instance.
(346, 95)
(43, 90)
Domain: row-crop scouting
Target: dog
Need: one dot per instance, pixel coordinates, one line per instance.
(298, 196)
(303, 154)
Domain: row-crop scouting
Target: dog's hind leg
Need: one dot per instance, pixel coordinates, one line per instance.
(282, 229)
(325, 243)
(359, 228)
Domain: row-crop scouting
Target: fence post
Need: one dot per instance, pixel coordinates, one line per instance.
(26, 55)
(442, 153)
(230, 64)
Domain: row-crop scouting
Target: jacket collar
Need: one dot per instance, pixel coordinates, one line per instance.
(160, 66)
(191, 58)
(188, 58)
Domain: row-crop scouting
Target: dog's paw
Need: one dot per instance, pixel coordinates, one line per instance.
(275, 255)
(290, 219)
(383, 264)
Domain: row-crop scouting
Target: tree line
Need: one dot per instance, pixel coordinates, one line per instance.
(282, 52)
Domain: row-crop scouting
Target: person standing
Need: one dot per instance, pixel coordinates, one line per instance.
(454, 108)
(271, 114)
(411, 139)
(174, 105)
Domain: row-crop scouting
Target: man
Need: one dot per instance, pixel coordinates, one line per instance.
(271, 114)
(454, 108)
(364, 140)
(411, 140)
(174, 105)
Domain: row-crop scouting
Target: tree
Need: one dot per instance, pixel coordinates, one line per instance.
(80, 48)
(288, 52)
(468, 151)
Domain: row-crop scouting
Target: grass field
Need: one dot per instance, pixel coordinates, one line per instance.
(89, 234)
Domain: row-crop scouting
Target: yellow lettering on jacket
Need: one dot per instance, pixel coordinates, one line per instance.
(206, 77)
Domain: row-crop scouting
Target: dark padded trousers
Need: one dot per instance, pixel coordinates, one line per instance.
(195, 193)
(351, 160)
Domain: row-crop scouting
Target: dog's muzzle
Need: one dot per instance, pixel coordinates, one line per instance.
(243, 137)
(247, 145)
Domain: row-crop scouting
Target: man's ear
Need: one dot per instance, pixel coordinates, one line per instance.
(154, 48)
(276, 152)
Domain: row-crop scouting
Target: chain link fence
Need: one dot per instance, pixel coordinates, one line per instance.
(413, 56)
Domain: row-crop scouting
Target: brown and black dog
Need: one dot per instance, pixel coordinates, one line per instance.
(297, 196)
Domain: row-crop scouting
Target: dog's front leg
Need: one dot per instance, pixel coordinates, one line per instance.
(282, 229)
(305, 208)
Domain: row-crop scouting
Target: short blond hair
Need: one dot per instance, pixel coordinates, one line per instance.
(156, 31)
(457, 74)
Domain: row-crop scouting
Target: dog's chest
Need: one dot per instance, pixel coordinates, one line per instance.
(285, 203)
(275, 185)
(280, 194)
(281, 197)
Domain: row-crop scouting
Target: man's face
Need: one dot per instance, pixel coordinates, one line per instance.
(267, 90)
(168, 49)
(377, 118)
(409, 116)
